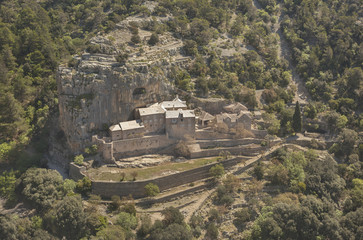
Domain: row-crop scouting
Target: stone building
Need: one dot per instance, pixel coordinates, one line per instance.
(232, 119)
(205, 119)
(153, 118)
(157, 126)
(127, 130)
(180, 123)
(235, 108)
(174, 105)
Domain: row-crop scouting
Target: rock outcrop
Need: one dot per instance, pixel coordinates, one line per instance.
(99, 91)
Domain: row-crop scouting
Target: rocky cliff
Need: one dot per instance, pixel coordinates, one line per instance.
(98, 91)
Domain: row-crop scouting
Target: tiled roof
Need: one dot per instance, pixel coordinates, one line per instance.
(129, 125)
(115, 128)
(176, 103)
(153, 109)
(206, 116)
(235, 107)
(177, 113)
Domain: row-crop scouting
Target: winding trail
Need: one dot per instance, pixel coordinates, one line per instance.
(284, 51)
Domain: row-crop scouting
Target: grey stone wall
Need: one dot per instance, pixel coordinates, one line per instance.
(239, 150)
(227, 143)
(107, 189)
(139, 146)
(76, 172)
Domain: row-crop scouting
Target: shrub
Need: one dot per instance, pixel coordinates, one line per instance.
(127, 220)
(217, 171)
(135, 39)
(78, 160)
(151, 190)
(122, 58)
(154, 39)
(84, 186)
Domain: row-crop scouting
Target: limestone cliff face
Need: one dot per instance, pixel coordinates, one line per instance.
(99, 91)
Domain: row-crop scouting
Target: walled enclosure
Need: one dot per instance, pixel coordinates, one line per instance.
(108, 189)
(128, 147)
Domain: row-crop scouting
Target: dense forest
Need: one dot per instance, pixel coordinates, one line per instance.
(321, 197)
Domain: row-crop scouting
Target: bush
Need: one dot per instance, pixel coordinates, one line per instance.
(92, 150)
(190, 48)
(217, 171)
(115, 203)
(78, 160)
(259, 171)
(135, 39)
(151, 190)
(181, 150)
(212, 231)
(41, 187)
(122, 58)
(154, 39)
(84, 186)
(127, 220)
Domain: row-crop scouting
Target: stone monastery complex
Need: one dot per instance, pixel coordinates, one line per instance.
(160, 125)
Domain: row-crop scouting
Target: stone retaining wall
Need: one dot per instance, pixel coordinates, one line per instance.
(107, 189)
(239, 150)
(227, 142)
(131, 147)
(139, 146)
(76, 172)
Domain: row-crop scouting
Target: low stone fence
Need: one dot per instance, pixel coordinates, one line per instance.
(259, 133)
(239, 150)
(204, 134)
(227, 142)
(107, 189)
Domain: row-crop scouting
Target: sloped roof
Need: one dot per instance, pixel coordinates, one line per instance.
(221, 117)
(176, 103)
(115, 128)
(206, 116)
(153, 109)
(235, 107)
(244, 114)
(177, 113)
(129, 125)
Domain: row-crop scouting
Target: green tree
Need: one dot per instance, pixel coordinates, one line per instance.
(67, 219)
(127, 220)
(212, 231)
(217, 171)
(258, 170)
(7, 184)
(78, 160)
(41, 187)
(154, 39)
(151, 190)
(84, 186)
(296, 118)
(172, 215)
(112, 232)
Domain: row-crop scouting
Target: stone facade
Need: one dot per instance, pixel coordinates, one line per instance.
(127, 130)
(155, 128)
(153, 118)
(180, 124)
(232, 119)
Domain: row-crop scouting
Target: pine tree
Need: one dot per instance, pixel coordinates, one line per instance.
(296, 119)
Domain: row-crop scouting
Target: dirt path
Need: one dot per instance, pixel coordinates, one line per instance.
(284, 51)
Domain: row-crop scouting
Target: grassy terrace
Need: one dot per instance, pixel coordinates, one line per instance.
(115, 174)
